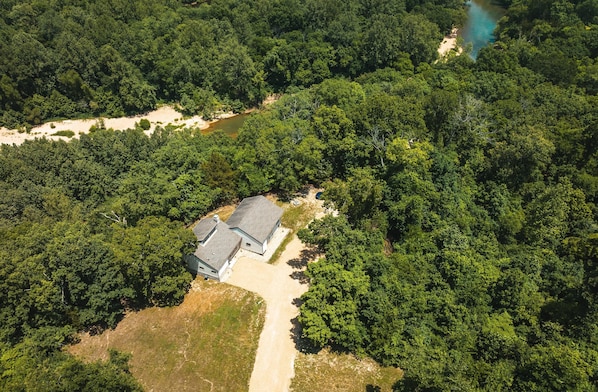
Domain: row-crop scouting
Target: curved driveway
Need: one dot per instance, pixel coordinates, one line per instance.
(280, 285)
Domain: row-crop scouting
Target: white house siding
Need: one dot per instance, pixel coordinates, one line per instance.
(249, 243)
(198, 267)
(265, 244)
(273, 231)
(223, 270)
(233, 261)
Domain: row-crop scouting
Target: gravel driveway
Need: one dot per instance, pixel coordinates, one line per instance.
(280, 285)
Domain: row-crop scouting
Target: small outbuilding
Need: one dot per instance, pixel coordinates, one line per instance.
(256, 220)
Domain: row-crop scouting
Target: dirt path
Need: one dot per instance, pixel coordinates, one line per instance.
(280, 285)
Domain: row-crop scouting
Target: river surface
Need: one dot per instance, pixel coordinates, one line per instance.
(230, 125)
(482, 17)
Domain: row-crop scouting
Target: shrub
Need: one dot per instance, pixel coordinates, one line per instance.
(66, 133)
(144, 124)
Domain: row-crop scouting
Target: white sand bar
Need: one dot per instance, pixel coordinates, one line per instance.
(449, 43)
(162, 116)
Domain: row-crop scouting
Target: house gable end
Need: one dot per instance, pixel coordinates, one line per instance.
(203, 267)
(257, 217)
(222, 246)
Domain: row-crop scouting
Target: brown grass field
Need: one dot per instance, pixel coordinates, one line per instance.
(208, 343)
(332, 372)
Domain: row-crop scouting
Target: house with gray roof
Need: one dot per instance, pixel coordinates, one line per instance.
(216, 249)
(255, 220)
(250, 227)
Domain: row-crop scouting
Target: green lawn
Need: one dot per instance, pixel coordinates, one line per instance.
(293, 218)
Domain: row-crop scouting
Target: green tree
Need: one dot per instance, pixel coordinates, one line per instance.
(554, 367)
(83, 269)
(220, 175)
(238, 75)
(341, 93)
(556, 212)
(358, 197)
(151, 258)
(330, 313)
(337, 132)
(523, 158)
(419, 37)
(382, 41)
(33, 366)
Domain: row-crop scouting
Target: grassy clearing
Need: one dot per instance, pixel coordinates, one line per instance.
(224, 212)
(283, 245)
(208, 343)
(297, 217)
(333, 372)
(293, 218)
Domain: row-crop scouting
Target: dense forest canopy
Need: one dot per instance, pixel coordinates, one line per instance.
(78, 58)
(466, 246)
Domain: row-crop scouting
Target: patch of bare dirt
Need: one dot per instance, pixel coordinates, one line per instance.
(449, 43)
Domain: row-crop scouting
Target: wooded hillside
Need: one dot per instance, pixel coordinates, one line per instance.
(465, 251)
(82, 58)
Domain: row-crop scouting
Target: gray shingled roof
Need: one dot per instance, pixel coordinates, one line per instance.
(256, 216)
(204, 228)
(219, 246)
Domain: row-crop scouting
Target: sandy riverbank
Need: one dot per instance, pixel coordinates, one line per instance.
(449, 43)
(160, 117)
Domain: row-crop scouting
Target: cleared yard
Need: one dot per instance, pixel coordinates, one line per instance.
(331, 372)
(208, 343)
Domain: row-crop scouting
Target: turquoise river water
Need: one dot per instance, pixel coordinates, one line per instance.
(482, 17)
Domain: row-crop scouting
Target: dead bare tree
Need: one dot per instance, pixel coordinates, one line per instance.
(115, 218)
(377, 139)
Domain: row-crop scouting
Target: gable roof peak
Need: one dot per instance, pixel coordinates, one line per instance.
(256, 216)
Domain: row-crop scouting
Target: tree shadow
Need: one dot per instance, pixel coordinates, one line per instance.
(304, 258)
(300, 276)
(299, 264)
(297, 302)
(304, 191)
(302, 344)
(372, 388)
